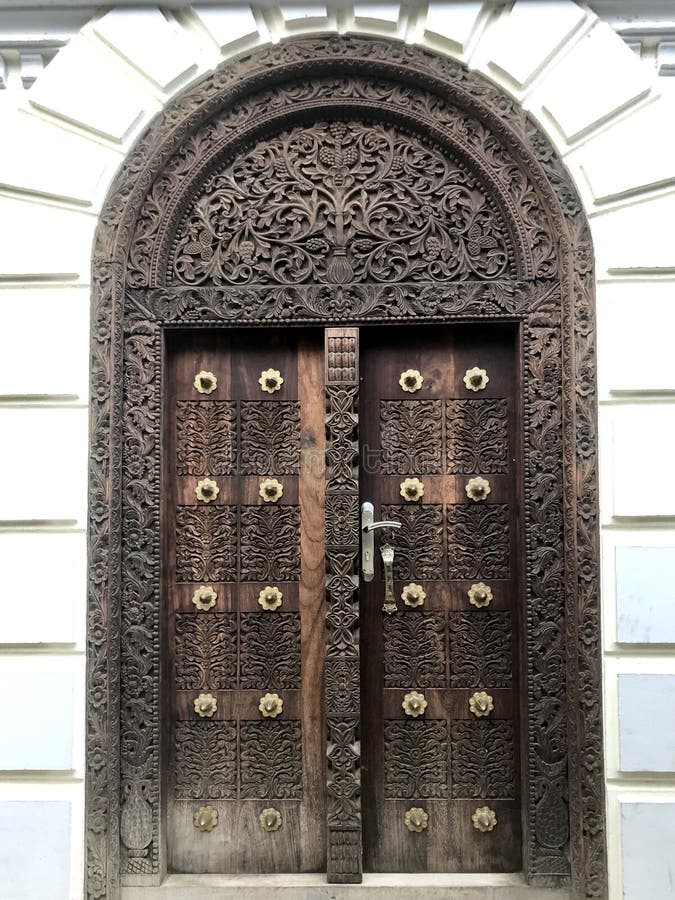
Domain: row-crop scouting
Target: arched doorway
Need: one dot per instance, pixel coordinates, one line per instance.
(346, 206)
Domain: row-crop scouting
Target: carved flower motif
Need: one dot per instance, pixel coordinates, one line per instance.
(481, 704)
(206, 705)
(206, 818)
(270, 819)
(270, 380)
(271, 705)
(413, 595)
(480, 594)
(270, 598)
(412, 489)
(484, 819)
(271, 490)
(477, 489)
(204, 597)
(205, 382)
(414, 704)
(207, 490)
(476, 379)
(416, 819)
(411, 380)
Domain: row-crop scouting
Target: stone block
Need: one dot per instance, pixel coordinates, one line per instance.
(150, 43)
(645, 594)
(35, 841)
(232, 27)
(450, 26)
(39, 705)
(636, 238)
(642, 452)
(646, 723)
(647, 850)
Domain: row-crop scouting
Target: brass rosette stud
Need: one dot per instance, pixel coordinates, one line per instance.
(484, 819)
(477, 489)
(481, 704)
(480, 594)
(204, 597)
(414, 704)
(205, 382)
(270, 598)
(416, 819)
(207, 490)
(411, 380)
(271, 705)
(270, 819)
(271, 490)
(206, 818)
(270, 380)
(205, 705)
(476, 379)
(411, 489)
(413, 595)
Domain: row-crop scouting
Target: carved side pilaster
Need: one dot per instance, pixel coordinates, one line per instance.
(342, 643)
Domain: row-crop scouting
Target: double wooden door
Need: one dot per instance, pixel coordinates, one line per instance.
(246, 641)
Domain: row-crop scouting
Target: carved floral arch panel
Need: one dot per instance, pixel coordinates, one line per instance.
(344, 181)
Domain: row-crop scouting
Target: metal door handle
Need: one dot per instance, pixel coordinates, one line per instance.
(389, 605)
(368, 529)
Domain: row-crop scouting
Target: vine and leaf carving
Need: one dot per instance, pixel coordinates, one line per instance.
(270, 543)
(420, 541)
(206, 548)
(269, 651)
(205, 760)
(205, 437)
(416, 759)
(477, 436)
(206, 651)
(270, 760)
(478, 540)
(423, 666)
(480, 649)
(483, 760)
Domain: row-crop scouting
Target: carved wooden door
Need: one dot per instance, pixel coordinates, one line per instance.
(244, 577)
(439, 684)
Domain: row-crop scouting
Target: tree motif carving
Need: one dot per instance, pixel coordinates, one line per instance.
(270, 438)
(411, 436)
(480, 649)
(419, 542)
(270, 543)
(269, 650)
(206, 651)
(414, 650)
(415, 759)
(206, 543)
(206, 438)
(483, 759)
(477, 436)
(478, 540)
(366, 203)
(206, 760)
(270, 755)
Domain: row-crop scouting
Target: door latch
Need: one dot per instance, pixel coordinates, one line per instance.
(368, 529)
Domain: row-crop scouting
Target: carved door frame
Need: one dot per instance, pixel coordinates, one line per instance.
(549, 292)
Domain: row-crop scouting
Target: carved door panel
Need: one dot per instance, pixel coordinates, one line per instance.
(451, 660)
(244, 586)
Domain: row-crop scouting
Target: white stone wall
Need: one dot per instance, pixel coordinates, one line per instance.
(614, 123)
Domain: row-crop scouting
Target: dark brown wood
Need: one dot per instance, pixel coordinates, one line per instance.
(237, 761)
(521, 204)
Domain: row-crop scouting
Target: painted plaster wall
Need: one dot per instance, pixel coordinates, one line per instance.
(62, 141)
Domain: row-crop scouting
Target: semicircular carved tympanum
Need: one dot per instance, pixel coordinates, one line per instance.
(339, 202)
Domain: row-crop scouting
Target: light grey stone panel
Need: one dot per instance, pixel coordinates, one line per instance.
(646, 723)
(37, 715)
(35, 854)
(647, 831)
(645, 595)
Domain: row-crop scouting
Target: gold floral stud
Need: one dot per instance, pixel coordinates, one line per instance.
(204, 597)
(416, 819)
(206, 818)
(411, 380)
(205, 382)
(480, 594)
(207, 490)
(270, 490)
(481, 704)
(413, 595)
(270, 380)
(270, 598)
(477, 489)
(206, 705)
(271, 705)
(414, 704)
(411, 489)
(476, 379)
(270, 819)
(484, 819)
